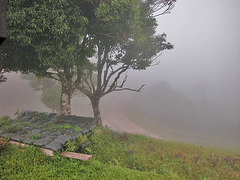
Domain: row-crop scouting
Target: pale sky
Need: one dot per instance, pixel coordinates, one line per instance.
(206, 40)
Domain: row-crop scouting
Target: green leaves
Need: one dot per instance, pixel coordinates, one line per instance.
(52, 28)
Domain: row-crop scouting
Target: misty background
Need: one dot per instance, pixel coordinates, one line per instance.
(193, 95)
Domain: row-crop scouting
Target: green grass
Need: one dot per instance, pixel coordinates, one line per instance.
(5, 121)
(77, 129)
(34, 136)
(64, 127)
(123, 156)
(6, 125)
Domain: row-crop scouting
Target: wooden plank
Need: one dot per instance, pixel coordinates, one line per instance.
(50, 152)
(44, 151)
(13, 143)
(47, 152)
(76, 155)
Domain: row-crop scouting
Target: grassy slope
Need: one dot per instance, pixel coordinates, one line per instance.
(123, 156)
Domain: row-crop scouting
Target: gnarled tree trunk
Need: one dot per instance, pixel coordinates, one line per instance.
(96, 110)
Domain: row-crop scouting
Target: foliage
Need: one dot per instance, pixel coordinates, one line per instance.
(11, 128)
(124, 35)
(38, 83)
(5, 120)
(77, 129)
(2, 77)
(52, 28)
(78, 145)
(51, 97)
(6, 125)
(64, 127)
(123, 156)
(45, 38)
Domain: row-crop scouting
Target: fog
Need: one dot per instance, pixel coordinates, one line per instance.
(193, 95)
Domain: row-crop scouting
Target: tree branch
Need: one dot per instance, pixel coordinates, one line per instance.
(130, 89)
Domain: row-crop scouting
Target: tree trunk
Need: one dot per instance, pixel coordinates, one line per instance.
(96, 111)
(65, 101)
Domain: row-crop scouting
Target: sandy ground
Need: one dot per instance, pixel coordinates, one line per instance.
(116, 119)
(119, 122)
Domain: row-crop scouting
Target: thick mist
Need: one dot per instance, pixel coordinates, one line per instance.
(193, 95)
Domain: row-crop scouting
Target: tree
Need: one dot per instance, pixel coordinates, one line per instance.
(124, 35)
(51, 97)
(53, 32)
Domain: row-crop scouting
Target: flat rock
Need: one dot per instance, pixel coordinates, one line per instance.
(75, 135)
(26, 118)
(36, 131)
(54, 129)
(21, 114)
(63, 139)
(44, 141)
(16, 138)
(28, 141)
(55, 146)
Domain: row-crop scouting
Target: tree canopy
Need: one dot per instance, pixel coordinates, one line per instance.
(47, 35)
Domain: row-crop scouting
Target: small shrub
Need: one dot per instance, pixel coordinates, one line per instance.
(64, 127)
(71, 146)
(76, 146)
(77, 129)
(5, 121)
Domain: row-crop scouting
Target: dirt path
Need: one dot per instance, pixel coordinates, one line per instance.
(120, 122)
(116, 119)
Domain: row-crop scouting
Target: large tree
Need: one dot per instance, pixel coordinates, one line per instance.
(49, 34)
(124, 35)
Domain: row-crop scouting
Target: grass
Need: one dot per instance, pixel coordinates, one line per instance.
(123, 156)
(64, 127)
(6, 125)
(34, 136)
(77, 129)
(5, 121)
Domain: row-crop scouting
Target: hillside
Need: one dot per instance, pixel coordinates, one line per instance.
(122, 156)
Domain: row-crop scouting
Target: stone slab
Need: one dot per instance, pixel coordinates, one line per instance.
(63, 139)
(53, 133)
(55, 146)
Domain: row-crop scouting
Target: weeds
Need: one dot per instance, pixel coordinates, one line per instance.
(11, 128)
(34, 136)
(77, 129)
(64, 127)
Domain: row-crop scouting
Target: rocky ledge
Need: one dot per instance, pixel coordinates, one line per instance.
(47, 130)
